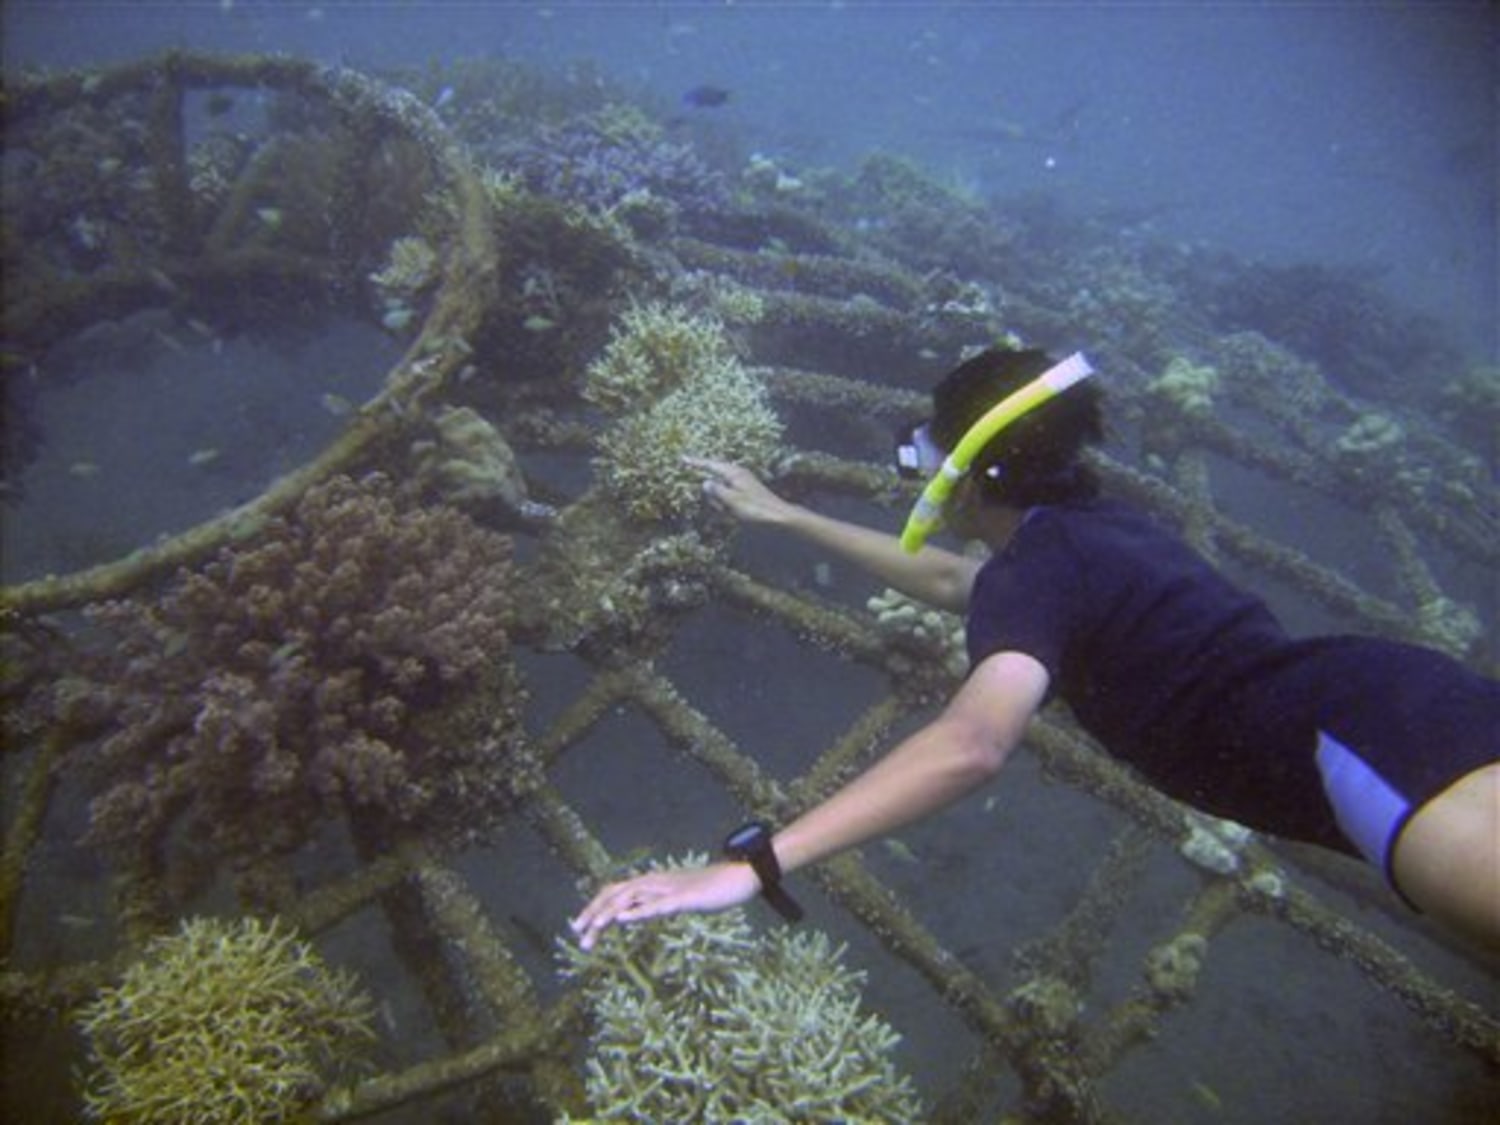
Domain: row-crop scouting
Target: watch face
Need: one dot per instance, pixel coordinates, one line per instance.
(745, 839)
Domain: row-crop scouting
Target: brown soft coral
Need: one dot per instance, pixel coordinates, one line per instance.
(353, 655)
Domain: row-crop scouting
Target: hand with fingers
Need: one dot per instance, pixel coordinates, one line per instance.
(740, 492)
(657, 894)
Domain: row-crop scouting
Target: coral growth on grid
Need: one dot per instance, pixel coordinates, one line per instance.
(699, 1018)
(679, 391)
(351, 654)
(613, 155)
(220, 1022)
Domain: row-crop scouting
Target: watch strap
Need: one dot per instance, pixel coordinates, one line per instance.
(752, 844)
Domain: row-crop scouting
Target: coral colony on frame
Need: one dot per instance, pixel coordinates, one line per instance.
(318, 710)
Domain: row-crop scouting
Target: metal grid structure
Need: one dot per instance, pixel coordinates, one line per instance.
(1046, 1043)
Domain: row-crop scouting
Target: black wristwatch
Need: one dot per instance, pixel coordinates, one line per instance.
(752, 844)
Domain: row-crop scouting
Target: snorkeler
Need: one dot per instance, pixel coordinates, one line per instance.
(1365, 746)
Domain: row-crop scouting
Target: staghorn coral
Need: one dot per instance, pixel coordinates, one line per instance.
(722, 414)
(351, 654)
(220, 1022)
(654, 349)
(683, 393)
(700, 1019)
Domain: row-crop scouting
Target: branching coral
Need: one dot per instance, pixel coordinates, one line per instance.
(600, 159)
(701, 1019)
(336, 659)
(654, 349)
(220, 1022)
(683, 393)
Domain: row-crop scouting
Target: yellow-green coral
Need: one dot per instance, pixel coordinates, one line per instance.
(654, 349)
(682, 393)
(220, 1022)
(1188, 386)
(698, 1018)
(411, 268)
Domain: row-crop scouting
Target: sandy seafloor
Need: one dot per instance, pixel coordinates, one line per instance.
(1277, 1032)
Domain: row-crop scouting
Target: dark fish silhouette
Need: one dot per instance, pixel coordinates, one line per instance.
(705, 97)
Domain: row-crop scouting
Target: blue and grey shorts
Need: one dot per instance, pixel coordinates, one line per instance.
(1403, 725)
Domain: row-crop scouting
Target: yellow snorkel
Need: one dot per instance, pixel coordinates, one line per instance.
(927, 512)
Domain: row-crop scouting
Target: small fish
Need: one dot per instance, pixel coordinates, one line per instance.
(1207, 1096)
(337, 405)
(83, 470)
(537, 323)
(705, 97)
(171, 342)
(286, 652)
(200, 457)
(77, 921)
(218, 104)
(444, 96)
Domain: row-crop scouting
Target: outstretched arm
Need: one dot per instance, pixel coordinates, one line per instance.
(946, 760)
(937, 577)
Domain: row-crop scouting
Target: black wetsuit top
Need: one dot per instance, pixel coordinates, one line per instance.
(1194, 682)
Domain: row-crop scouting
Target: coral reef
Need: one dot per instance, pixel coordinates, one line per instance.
(700, 1019)
(332, 660)
(221, 1022)
(683, 393)
(604, 158)
(260, 686)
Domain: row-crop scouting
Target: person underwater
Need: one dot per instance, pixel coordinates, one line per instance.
(1370, 747)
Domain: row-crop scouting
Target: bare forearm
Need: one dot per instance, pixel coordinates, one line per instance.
(929, 771)
(945, 760)
(937, 577)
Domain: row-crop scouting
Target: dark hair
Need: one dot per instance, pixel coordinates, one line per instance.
(1034, 460)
